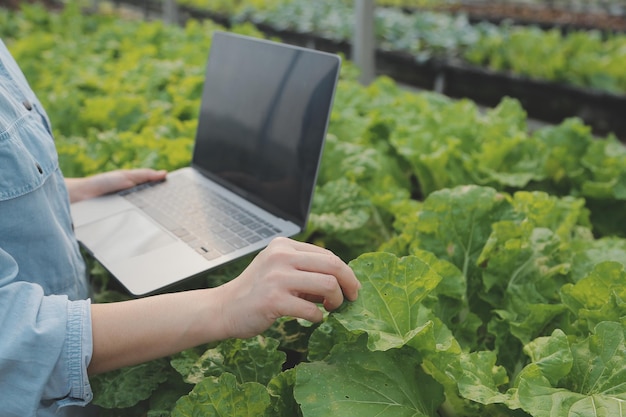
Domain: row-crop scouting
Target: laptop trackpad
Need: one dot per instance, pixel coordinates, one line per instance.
(122, 236)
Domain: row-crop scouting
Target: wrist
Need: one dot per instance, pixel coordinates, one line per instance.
(82, 188)
(211, 322)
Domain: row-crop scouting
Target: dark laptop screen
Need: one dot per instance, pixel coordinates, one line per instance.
(263, 118)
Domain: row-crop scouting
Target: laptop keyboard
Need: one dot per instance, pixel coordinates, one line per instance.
(207, 222)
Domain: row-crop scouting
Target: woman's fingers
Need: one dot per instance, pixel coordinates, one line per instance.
(141, 175)
(335, 272)
(301, 246)
(301, 308)
(332, 267)
(317, 287)
(121, 179)
(288, 278)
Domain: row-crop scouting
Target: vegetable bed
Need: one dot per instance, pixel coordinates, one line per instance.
(492, 259)
(606, 16)
(581, 65)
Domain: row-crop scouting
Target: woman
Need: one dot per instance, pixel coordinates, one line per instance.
(52, 337)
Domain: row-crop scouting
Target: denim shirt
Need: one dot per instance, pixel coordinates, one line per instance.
(45, 322)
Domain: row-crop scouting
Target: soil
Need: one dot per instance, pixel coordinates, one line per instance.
(541, 15)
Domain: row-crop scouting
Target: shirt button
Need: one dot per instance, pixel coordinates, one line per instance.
(39, 168)
(28, 105)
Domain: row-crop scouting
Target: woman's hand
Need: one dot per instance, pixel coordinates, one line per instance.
(287, 278)
(110, 182)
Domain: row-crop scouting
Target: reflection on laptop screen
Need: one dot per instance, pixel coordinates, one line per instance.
(266, 95)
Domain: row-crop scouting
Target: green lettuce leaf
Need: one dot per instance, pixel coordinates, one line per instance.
(354, 381)
(590, 252)
(389, 301)
(339, 208)
(128, 386)
(392, 311)
(552, 355)
(326, 336)
(371, 164)
(479, 378)
(224, 397)
(455, 224)
(600, 296)
(564, 216)
(164, 398)
(251, 360)
(344, 220)
(593, 387)
(449, 298)
(469, 148)
(606, 162)
(565, 145)
(282, 399)
(404, 214)
(523, 275)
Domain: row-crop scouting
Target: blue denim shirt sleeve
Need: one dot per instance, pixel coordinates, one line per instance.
(45, 347)
(45, 322)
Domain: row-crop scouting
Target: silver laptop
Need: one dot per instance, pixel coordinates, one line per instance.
(263, 119)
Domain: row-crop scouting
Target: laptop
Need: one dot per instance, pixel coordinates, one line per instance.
(263, 118)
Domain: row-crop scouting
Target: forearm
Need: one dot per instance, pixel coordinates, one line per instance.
(97, 185)
(109, 182)
(132, 332)
(288, 278)
(79, 189)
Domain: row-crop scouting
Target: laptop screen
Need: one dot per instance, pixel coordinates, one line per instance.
(263, 118)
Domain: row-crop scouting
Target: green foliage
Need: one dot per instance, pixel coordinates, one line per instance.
(224, 397)
(579, 58)
(123, 95)
(354, 381)
(492, 259)
(252, 360)
(575, 378)
(389, 311)
(128, 386)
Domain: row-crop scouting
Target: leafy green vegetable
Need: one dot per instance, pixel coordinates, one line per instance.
(250, 360)
(597, 297)
(590, 252)
(581, 58)
(592, 385)
(387, 309)
(339, 210)
(492, 259)
(128, 386)
(354, 381)
(224, 397)
(282, 399)
(480, 379)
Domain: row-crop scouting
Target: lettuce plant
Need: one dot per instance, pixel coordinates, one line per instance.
(491, 257)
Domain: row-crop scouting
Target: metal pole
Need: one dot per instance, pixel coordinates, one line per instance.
(170, 12)
(363, 44)
(95, 6)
